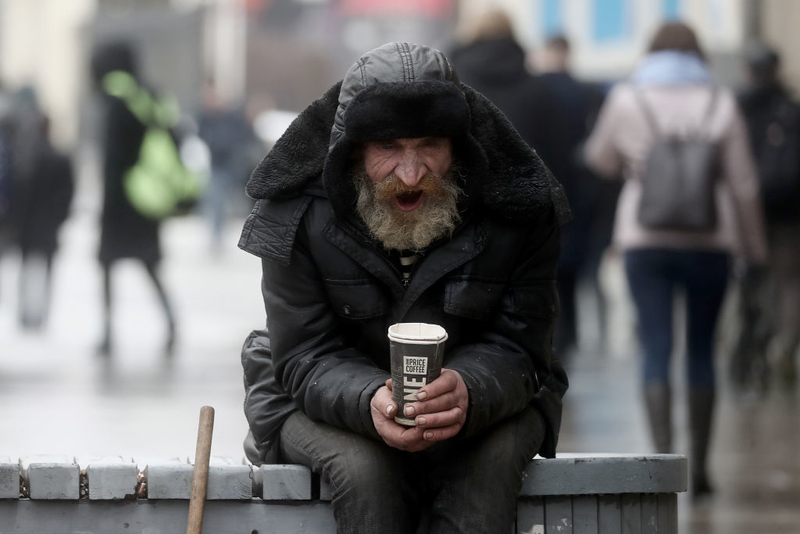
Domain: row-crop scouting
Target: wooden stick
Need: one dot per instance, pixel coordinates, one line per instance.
(202, 456)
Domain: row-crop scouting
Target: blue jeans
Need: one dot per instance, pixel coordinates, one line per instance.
(463, 485)
(654, 276)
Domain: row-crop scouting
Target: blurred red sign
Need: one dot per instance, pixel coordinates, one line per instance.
(422, 8)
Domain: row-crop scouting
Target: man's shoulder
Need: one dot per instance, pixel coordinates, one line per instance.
(270, 229)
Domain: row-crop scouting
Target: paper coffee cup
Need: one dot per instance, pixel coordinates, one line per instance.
(417, 351)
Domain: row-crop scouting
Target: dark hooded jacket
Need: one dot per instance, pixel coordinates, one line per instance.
(331, 292)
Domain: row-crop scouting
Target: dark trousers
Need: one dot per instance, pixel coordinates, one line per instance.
(463, 485)
(654, 276)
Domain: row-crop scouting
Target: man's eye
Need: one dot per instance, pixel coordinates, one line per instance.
(387, 146)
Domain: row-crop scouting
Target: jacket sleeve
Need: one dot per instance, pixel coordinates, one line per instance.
(328, 379)
(512, 364)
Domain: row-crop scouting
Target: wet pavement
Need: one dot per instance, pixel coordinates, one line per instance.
(58, 397)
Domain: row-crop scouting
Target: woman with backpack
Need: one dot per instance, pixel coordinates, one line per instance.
(689, 202)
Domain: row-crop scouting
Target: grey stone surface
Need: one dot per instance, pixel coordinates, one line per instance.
(232, 482)
(110, 481)
(85, 461)
(285, 482)
(163, 517)
(26, 461)
(169, 481)
(9, 478)
(220, 460)
(325, 490)
(587, 474)
(53, 480)
(530, 515)
(144, 461)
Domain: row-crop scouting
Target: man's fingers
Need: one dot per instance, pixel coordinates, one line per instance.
(382, 402)
(447, 381)
(440, 434)
(436, 404)
(453, 416)
(457, 397)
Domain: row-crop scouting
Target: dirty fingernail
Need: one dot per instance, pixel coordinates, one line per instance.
(390, 409)
(421, 420)
(409, 410)
(422, 395)
(428, 435)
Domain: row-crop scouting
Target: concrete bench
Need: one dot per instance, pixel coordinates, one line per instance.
(571, 494)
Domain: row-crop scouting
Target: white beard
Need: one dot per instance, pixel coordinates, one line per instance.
(408, 230)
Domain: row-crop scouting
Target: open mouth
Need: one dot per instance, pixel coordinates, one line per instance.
(408, 200)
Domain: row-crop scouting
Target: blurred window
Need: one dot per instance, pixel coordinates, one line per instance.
(671, 9)
(611, 21)
(551, 17)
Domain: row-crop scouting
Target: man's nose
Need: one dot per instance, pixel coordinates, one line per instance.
(410, 169)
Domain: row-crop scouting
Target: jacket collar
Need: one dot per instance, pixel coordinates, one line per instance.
(467, 242)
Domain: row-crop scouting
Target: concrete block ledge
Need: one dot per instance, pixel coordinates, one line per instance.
(585, 474)
(110, 495)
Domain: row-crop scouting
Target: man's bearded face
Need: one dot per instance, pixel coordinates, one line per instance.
(408, 218)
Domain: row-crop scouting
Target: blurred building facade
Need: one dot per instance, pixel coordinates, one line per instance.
(609, 36)
(284, 53)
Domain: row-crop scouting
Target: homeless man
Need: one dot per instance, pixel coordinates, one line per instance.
(402, 195)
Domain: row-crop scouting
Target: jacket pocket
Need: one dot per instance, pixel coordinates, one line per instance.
(357, 299)
(472, 298)
(536, 301)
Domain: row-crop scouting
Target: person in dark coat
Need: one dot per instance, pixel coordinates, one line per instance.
(404, 196)
(770, 298)
(224, 128)
(124, 232)
(593, 200)
(43, 200)
(493, 63)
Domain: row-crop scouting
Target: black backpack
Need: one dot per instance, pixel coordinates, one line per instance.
(775, 137)
(679, 177)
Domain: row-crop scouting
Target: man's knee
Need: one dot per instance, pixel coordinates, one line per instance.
(346, 460)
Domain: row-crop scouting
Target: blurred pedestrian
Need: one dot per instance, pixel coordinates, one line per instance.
(125, 233)
(6, 174)
(42, 202)
(492, 62)
(671, 103)
(226, 132)
(585, 238)
(773, 121)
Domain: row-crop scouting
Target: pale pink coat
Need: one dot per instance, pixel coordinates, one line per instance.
(622, 138)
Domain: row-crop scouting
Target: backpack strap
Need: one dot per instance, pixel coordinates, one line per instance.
(712, 104)
(148, 110)
(651, 118)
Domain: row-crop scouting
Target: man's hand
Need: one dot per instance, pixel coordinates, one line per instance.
(384, 410)
(442, 407)
(440, 413)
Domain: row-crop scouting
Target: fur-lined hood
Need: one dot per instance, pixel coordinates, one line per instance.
(402, 90)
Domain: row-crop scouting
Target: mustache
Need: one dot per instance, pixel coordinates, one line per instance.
(392, 186)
